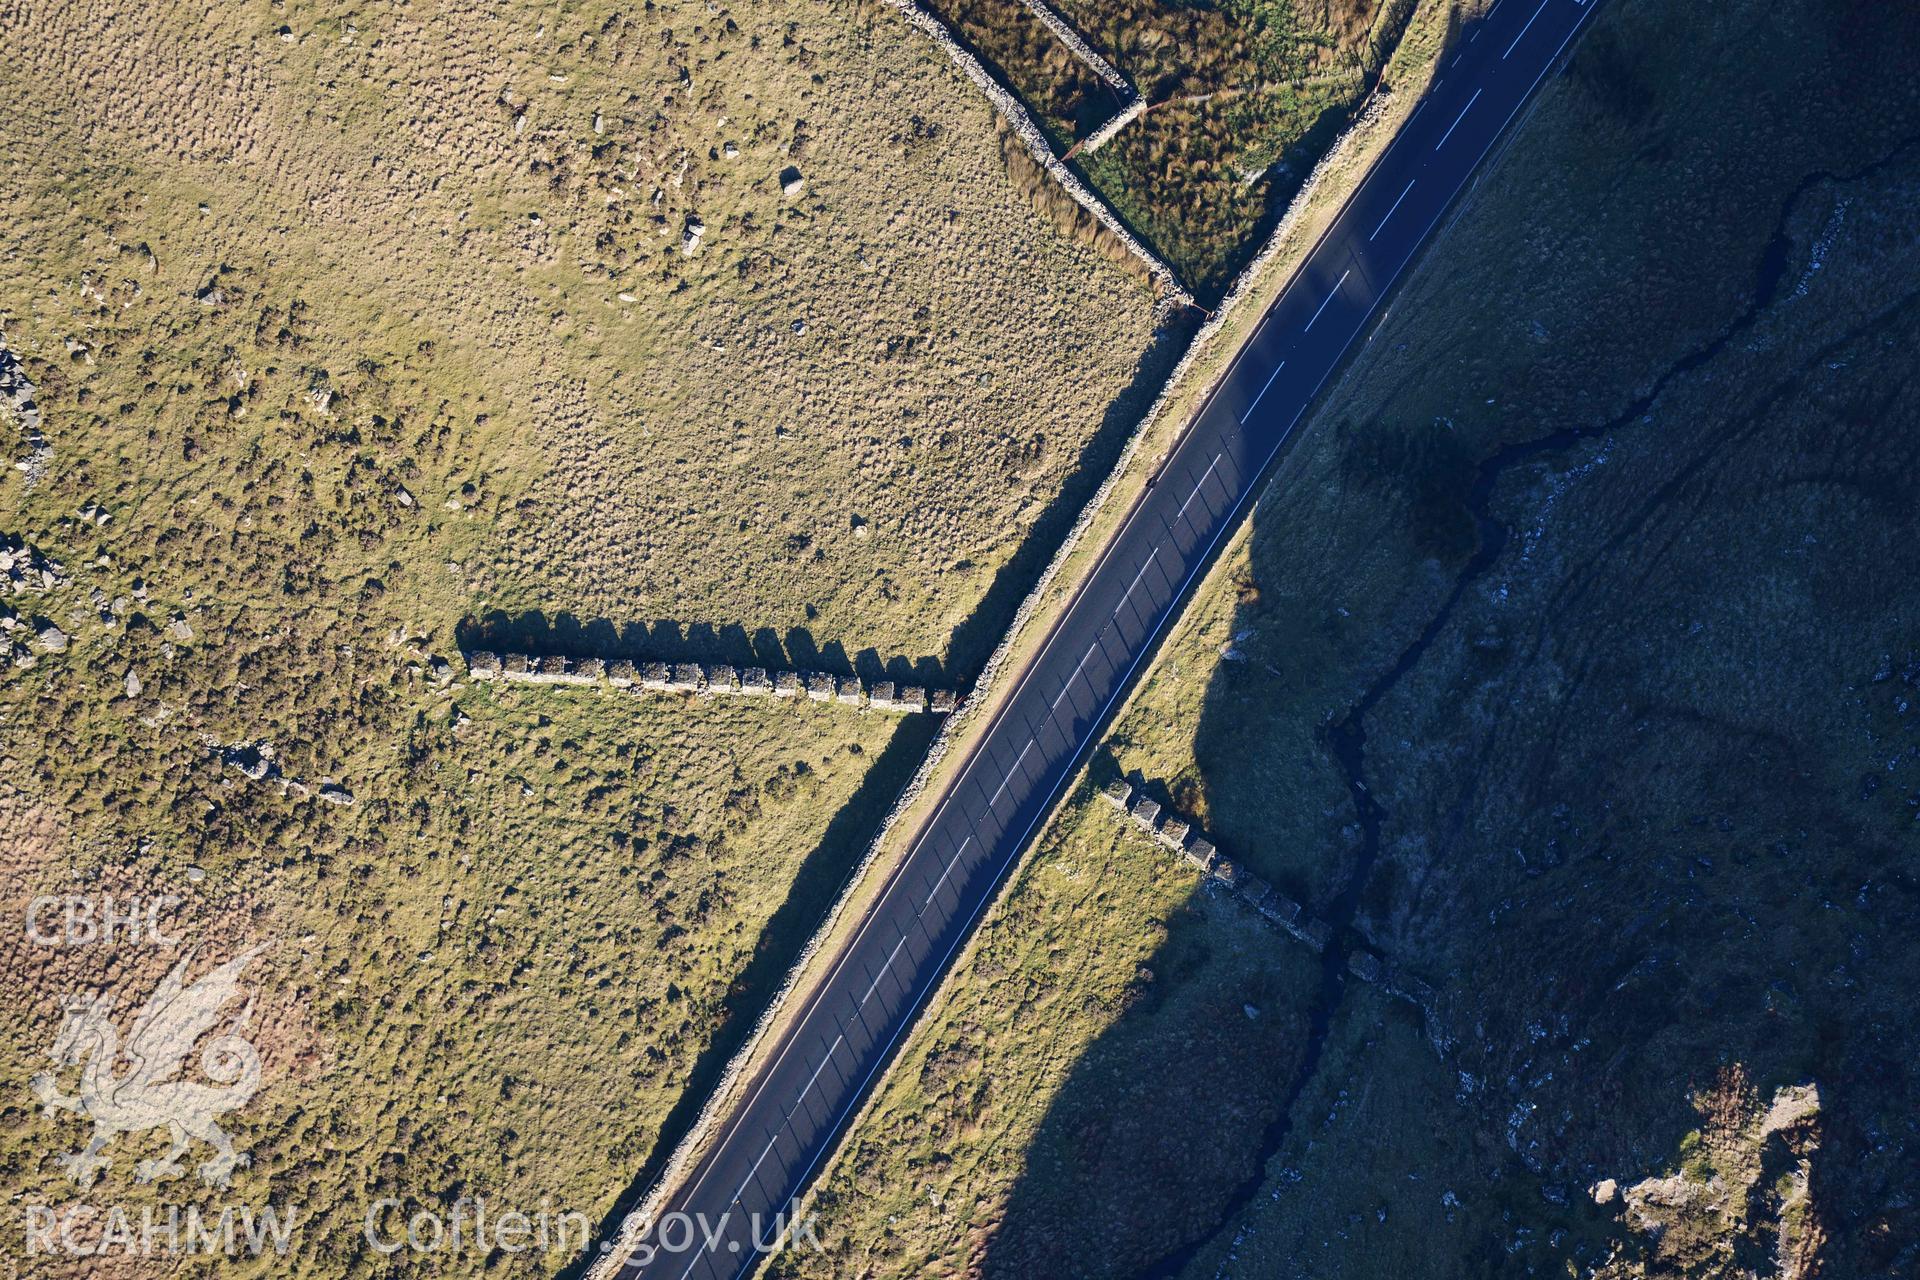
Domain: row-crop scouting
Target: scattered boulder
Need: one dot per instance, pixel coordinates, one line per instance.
(250, 760)
(690, 237)
(23, 568)
(50, 638)
(792, 183)
(334, 793)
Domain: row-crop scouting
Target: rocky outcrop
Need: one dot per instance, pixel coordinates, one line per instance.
(23, 569)
(21, 401)
(257, 762)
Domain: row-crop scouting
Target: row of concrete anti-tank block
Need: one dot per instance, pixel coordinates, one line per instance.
(1179, 835)
(714, 678)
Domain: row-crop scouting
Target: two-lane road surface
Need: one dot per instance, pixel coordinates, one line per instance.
(845, 1031)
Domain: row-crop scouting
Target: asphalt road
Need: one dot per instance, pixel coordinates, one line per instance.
(731, 1204)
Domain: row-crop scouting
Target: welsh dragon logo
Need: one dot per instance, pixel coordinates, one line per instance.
(150, 1093)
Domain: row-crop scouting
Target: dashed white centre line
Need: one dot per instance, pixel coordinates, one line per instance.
(1078, 667)
(951, 864)
(1336, 285)
(883, 973)
(763, 1155)
(1009, 778)
(1396, 205)
(1202, 483)
(1151, 556)
(1456, 120)
(695, 1261)
(1263, 391)
(835, 1048)
(1523, 32)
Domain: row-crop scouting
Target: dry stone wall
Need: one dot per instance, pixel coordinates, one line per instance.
(22, 401)
(1121, 119)
(1036, 142)
(1077, 45)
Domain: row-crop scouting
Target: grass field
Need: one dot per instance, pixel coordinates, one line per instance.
(1569, 663)
(349, 327)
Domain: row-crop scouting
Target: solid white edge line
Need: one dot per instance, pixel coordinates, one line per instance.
(1231, 521)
